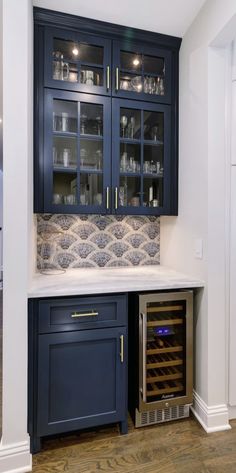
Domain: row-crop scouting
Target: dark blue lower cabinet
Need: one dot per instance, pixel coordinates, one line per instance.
(82, 381)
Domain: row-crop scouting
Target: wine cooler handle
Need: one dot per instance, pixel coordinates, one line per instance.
(144, 359)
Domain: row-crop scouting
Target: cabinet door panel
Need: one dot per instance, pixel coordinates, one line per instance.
(76, 152)
(78, 62)
(141, 157)
(81, 379)
(141, 72)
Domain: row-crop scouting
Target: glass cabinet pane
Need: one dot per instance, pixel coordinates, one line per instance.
(165, 350)
(64, 188)
(64, 116)
(91, 155)
(130, 123)
(91, 186)
(142, 73)
(91, 119)
(65, 67)
(129, 191)
(130, 61)
(152, 192)
(130, 158)
(153, 160)
(75, 61)
(64, 152)
(154, 126)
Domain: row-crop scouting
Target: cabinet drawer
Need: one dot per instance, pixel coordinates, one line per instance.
(67, 314)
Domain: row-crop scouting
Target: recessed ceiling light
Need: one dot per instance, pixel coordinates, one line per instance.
(136, 62)
(75, 51)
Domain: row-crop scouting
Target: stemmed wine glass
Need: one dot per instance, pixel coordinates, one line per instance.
(132, 125)
(99, 125)
(123, 122)
(155, 130)
(83, 119)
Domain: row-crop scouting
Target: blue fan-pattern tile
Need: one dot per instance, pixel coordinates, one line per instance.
(89, 241)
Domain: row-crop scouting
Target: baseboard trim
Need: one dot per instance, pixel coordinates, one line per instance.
(211, 418)
(15, 458)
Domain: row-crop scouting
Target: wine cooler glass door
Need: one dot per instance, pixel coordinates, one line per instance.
(165, 348)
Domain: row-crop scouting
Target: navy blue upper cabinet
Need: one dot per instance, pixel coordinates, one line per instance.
(106, 118)
(76, 157)
(141, 157)
(141, 72)
(76, 61)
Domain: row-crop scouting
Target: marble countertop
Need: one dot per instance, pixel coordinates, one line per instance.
(109, 280)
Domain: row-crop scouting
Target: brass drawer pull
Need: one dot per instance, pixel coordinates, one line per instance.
(122, 348)
(76, 315)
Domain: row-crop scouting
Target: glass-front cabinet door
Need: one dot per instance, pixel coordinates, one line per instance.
(141, 157)
(76, 152)
(141, 72)
(77, 62)
(165, 349)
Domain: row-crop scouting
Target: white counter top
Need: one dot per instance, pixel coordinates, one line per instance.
(108, 280)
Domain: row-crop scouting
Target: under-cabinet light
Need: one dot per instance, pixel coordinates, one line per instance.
(75, 51)
(136, 62)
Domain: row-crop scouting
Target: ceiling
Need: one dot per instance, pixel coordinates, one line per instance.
(171, 17)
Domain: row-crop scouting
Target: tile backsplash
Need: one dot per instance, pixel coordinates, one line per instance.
(76, 241)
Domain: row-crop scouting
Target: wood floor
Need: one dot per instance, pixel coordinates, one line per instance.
(178, 447)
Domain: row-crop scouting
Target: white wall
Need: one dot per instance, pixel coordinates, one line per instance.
(1, 217)
(155, 17)
(203, 198)
(17, 225)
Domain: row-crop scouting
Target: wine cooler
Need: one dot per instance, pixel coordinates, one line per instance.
(161, 385)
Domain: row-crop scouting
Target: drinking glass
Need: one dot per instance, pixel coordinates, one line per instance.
(154, 133)
(99, 126)
(123, 122)
(66, 155)
(146, 167)
(65, 121)
(57, 65)
(83, 119)
(149, 85)
(123, 162)
(55, 156)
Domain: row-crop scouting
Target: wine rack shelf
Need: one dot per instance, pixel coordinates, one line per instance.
(154, 348)
(164, 374)
(161, 323)
(157, 361)
(170, 308)
(155, 389)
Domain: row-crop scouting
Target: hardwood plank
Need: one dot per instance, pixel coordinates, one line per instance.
(146, 450)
